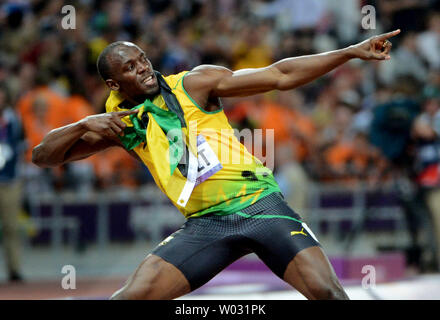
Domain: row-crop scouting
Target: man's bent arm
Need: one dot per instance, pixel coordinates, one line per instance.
(68, 143)
(80, 139)
(286, 74)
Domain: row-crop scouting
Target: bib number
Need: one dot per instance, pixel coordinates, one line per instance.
(207, 160)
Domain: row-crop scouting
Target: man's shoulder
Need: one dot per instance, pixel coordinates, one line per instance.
(203, 78)
(173, 80)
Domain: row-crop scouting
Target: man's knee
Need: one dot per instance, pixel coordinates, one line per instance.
(330, 293)
(154, 279)
(328, 290)
(134, 290)
(145, 292)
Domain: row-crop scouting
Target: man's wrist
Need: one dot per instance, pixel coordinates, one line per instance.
(82, 125)
(350, 52)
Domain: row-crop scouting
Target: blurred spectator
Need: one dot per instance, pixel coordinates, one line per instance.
(348, 14)
(294, 14)
(42, 110)
(250, 51)
(11, 147)
(408, 13)
(428, 42)
(406, 62)
(347, 154)
(392, 121)
(426, 132)
(391, 132)
(115, 170)
(354, 160)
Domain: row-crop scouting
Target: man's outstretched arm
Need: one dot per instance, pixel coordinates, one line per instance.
(80, 140)
(214, 81)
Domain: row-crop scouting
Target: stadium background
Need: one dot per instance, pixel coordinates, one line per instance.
(356, 151)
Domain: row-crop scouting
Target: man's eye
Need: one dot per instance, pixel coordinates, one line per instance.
(131, 67)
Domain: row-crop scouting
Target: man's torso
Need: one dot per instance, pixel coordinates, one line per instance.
(229, 177)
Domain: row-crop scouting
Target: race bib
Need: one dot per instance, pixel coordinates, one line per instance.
(207, 159)
(199, 169)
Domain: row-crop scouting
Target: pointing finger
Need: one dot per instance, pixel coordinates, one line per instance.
(388, 35)
(126, 112)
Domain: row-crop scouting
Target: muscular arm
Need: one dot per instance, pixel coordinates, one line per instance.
(214, 81)
(80, 140)
(69, 143)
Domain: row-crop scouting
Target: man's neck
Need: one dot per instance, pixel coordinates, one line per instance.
(140, 99)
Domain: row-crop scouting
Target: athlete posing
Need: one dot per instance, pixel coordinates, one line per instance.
(232, 209)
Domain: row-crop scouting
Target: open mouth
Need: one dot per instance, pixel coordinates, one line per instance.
(149, 81)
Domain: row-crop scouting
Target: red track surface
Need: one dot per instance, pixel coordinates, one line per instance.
(41, 290)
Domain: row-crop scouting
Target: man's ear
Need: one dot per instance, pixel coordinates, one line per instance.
(112, 84)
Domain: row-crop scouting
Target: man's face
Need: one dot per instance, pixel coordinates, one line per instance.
(132, 72)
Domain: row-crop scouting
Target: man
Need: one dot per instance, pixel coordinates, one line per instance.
(233, 208)
(11, 149)
(425, 131)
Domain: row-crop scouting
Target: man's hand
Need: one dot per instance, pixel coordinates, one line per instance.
(108, 125)
(374, 48)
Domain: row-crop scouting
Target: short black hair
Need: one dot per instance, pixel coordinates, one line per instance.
(103, 64)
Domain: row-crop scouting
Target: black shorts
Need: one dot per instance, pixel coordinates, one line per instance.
(206, 245)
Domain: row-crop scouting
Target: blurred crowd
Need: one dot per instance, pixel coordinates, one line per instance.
(331, 130)
(365, 123)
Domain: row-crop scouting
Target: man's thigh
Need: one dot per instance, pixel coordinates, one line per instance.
(202, 248)
(278, 235)
(311, 273)
(290, 249)
(154, 279)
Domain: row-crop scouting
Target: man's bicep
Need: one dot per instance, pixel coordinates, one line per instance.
(246, 82)
(218, 81)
